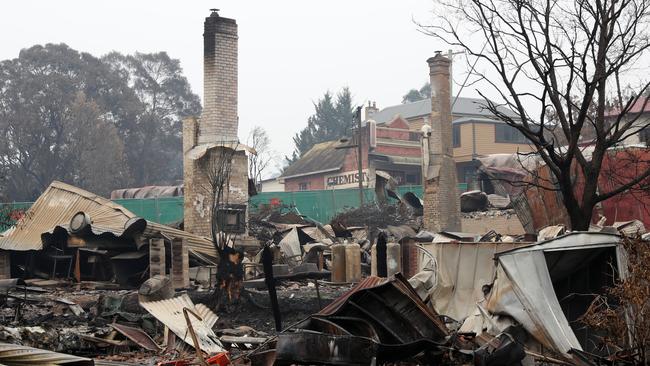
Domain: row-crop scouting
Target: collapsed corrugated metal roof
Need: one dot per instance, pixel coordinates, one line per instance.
(60, 202)
(524, 287)
(461, 270)
(170, 313)
(13, 354)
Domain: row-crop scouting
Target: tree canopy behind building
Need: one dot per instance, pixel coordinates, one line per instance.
(332, 119)
(562, 67)
(415, 95)
(99, 123)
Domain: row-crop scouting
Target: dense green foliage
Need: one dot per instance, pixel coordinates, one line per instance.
(415, 95)
(332, 119)
(98, 123)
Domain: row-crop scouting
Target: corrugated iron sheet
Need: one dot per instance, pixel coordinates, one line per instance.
(12, 354)
(461, 270)
(138, 336)
(365, 283)
(147, 192)
(60, 201)
(170, 313)
(209, 317)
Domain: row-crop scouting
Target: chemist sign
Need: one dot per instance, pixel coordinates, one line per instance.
(346, 180)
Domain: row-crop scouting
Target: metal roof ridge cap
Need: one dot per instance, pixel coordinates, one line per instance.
(570, 233)
(310, 173)
(100, 200)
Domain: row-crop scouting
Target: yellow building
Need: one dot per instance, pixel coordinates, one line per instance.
(476, 132)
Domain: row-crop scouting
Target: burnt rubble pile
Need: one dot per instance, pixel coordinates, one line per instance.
(370, 287)
(374, 215)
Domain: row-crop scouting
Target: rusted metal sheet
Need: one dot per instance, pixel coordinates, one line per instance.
(170, 313)
(138, 336)
(60, 202)
(11, 354)
(56, 206)
(393, 306)
(365, 283)
(378, 318)
(308, 347)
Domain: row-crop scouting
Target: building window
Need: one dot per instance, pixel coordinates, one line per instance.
(304, 186)
(413, 178)
(644, 136)
(509, 134)
(455, 135)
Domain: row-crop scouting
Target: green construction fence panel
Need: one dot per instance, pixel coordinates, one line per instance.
(317, 205)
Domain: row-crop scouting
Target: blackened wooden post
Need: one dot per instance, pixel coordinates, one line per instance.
(267, 263)
(382, 267)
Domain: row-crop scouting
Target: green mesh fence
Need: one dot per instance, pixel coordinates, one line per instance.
(165, 210)
(317, 205)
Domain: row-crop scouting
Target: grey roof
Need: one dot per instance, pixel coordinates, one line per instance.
(321, 157)
(464, 107)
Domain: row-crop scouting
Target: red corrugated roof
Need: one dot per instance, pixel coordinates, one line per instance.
(641, 105)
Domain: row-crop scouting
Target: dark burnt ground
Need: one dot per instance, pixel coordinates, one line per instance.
(297, 301)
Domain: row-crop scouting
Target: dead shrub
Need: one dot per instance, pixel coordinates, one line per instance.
(622, 314)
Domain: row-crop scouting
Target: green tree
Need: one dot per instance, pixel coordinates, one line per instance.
(96, 148)
(37, 90)
(154, 140)
(415, 95)
(332, 119)
(119, 114)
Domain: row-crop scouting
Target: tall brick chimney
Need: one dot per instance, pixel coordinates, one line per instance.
(441, 201)
(219, 119)
(205, 139)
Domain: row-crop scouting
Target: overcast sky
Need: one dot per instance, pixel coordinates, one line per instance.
(290, 52)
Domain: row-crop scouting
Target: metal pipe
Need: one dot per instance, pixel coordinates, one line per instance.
(357, 115)
(197, 346)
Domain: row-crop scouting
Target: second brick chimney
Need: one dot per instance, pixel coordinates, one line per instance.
(441, 201)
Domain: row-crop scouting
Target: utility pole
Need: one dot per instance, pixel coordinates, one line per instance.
(357, 116)
(450, 56)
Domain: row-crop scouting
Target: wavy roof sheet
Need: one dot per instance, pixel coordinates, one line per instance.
(13, 354)
(170, 313)
(60, 201)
